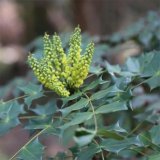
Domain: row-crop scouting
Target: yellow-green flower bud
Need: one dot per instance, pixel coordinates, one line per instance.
(59, 71)
(75, 47)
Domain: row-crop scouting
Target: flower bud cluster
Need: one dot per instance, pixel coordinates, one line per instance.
(61, 72)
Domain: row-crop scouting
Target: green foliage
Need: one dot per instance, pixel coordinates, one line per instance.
(145, 32)
(9, 112)
(111, 116)
(27, 151)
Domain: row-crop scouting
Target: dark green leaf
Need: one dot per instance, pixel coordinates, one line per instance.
(116, 146)
(105, 92)
(31, 89)
(153, 82)
(68, 134)
(154, 157)
(84, 136)
(72, 97)
(155, 134)
(78, 118)
(112, 107)
(109, 134)
(9, 112)
(88, 153)
(33, 151)
(48, 109)
(116, 127)
(28, 100)
(83, 102)
(39, 122)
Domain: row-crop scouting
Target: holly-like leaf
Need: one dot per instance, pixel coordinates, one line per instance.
(32, 151)
(112, 107)
(28, 100)
(31, 89)
(116, 146)
(88, 153)
(9, 112)
(72, 97)
(84, 136)
(83, 102)
(78, 118)
(154, 133)
(103, 93)
(48, 109)
(39, 122)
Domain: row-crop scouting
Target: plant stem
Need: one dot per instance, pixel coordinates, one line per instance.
(102, 155)
(136, 128)
(34, 137)
(94, 115)
(23, 96)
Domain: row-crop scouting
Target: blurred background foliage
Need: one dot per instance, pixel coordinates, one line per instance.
(119, 28)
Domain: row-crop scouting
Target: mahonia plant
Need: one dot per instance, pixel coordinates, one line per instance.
(59, 71)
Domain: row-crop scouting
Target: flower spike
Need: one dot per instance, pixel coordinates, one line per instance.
(59, 71)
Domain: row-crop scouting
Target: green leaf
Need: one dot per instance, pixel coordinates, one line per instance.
(9, 112)
(101, 94)
(154, 157)
(133, 65)
(84, 136)
(153, 82)
(155, 134)
(31, 89)
(44, 116)
(112, 68)
(92, 85)
(33, 151)
(109, 134)
(78, 119)
(8, 124)
(83, 102)
(53, 128)
(68, 134)
(113, 107)
(153, 66)
(116, 127)
(28, 100)
(95, 70)
(88, 153)
(72, 97)
(145, 138)
(145, 37)
(48, 109)
(39, 122)
(116, 146)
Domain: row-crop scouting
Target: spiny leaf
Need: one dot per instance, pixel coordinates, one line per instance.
(116, 146)
(31, 89)
(9, 115)
(78, 119)
(112, 107)
(88, 153)
(28, 100)
(101, 94)
(48, 109)
(33, 151)
(83, 102)
(84, 136)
